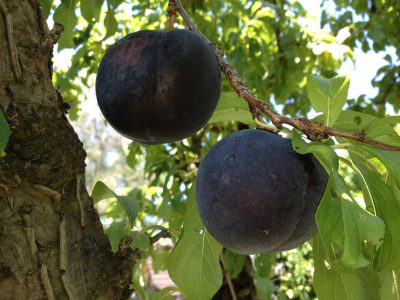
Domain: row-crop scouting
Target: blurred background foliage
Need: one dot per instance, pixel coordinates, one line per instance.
(273, 45)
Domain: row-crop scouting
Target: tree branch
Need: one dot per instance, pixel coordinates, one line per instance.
(50, 38)
(313, 130)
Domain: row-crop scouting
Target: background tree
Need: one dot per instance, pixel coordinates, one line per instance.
(51, 241)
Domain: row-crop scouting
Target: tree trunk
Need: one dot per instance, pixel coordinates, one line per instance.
(52, 245)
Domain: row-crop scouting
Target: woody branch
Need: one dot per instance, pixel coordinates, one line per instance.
(313, 130)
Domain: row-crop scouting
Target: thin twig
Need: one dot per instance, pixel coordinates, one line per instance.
(228, 278)
(313, 130)
(163, 234)
(11, 42)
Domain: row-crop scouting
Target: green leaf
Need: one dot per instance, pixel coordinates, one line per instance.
(46, 7)
(323, 152)
(390, 159)
(351, 120)
(101, 191)
(131, 207)
(194, 263)
(390, 283)
(264, 288)
(4, 133)
(344, 227)
(383, 126)
(117, 229)
(388, 208)
(231, 108)
(159, 258)
(233, 262)
(111, 24)
(165, 293)
(331, 282)
(263, 264)
(138, 288)
(382, 130)
(140, 240)
(134, 156)
(90, 9)
(65, 15)
(129, 203)
(328, 96)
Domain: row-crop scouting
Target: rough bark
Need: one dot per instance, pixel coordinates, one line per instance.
(52, 245)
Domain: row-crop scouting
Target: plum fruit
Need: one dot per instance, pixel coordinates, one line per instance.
(255, 194)
(157, 87)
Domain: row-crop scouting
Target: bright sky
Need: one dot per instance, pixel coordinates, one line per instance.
(363, 71)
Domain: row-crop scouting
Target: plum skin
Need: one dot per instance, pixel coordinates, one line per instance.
(157, 87)
(255, 194)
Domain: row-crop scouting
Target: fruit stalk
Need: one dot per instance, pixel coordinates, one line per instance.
(313, 130)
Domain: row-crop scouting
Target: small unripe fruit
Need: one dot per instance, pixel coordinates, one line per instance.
(255, 194)
(158, 87)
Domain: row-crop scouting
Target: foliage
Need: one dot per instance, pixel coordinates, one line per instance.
(355, 254)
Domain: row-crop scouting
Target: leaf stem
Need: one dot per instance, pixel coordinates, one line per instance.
(342, 146)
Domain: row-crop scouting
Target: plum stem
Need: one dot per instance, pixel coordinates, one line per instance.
(314, 131)
(171, 11)
(263, 125)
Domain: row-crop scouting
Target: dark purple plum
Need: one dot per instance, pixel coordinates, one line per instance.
(255, 194)
(157, 87)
